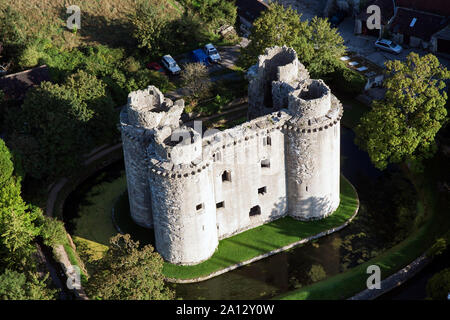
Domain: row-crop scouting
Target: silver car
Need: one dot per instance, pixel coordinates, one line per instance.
(170, 64)
(388, 45)
(212, 53)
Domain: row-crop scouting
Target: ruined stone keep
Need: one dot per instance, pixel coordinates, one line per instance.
(195, 189)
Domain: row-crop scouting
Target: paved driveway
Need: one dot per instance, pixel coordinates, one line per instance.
(364, 46)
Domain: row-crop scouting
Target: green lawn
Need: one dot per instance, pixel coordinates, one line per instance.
(265, 238)
(349, 283)
(94, 227)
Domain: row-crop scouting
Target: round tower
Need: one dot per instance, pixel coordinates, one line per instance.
(313, 151)
(184, 210)
(146, 110)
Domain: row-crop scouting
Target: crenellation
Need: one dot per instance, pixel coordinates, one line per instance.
(198, 190)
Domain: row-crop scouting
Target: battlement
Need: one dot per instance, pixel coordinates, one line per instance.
(198, 188)
(149, 108)
(312, 100)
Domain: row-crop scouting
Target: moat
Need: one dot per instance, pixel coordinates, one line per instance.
(362, 240)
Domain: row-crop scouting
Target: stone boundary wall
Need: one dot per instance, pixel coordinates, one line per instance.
(270, 253)
(394, 280)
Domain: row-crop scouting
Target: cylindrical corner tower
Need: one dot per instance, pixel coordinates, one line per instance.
(146, 110)
(313, 152)
(184, 213)
(134, 143)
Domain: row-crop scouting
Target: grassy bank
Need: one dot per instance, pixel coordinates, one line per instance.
(94, 227)
(265, 238)
(347, 284)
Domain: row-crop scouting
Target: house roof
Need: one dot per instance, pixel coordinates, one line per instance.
(250, 10)
(16, 85)
(444, 33)
(418, 24)
(441, 7)
(387, 10)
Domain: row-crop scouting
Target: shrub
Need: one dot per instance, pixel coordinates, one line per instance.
(132, 65)
(438, 287)
(438, 248)
(317, 273)
(52, 231)
(195, 79)
(11, 31)
(29, 57)
(17, 286)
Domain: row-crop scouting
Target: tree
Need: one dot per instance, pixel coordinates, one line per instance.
(402, 126)
(17, 232)
(17, 286)
(127, 272)
(52, 231)
(150, 23)
(216, 12)
(328, 47)
(438, 287)
(195, 78)
(59, 123)
(318, 45)
(276, 26)
(12, 36)
(17, 229)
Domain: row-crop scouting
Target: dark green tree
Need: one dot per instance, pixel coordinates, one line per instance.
(18, 286)
(128, 272)
(438, 287)
(402, 126)
(59, 123)
(318, 45)
(12, 37)
(17, 228)
(151, 22)
(277, 26)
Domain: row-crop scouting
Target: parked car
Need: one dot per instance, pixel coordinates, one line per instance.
(200, 56)
(170, 64)
(212, 53)
(388, 45)
(156, 67)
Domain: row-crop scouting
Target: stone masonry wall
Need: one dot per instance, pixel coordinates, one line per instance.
(197, 190)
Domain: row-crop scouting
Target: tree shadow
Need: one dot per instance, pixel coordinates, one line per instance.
(97, 29)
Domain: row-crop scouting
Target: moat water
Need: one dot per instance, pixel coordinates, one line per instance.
(365, 238)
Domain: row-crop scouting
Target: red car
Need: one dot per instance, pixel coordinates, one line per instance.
(156, 66)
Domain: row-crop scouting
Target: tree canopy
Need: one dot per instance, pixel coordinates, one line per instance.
(402, 126)
(128, 272)
(59, 123)
(317, 44)
(18, 229)
(15, 286)
(438, 287)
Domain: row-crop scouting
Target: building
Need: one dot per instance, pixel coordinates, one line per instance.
(387, 14)
(415, 23)
(15, 86)
(248, 11)
(417, 28)
(196, 190)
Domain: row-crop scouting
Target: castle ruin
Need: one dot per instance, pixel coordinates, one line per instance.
(196, 189)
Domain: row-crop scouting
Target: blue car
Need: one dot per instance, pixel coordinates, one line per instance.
(200, 56)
